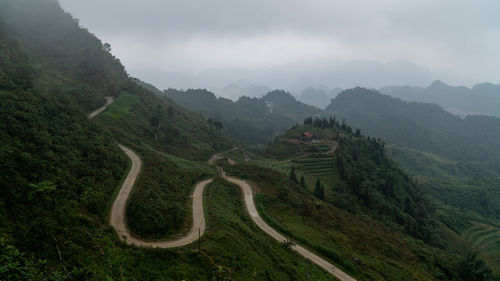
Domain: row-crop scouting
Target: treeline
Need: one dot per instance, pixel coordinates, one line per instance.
(331, 123)
(380, 186)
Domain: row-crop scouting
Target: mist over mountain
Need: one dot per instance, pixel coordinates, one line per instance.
(319, 98)
(293, 77)
(483, 98)
(236, 90)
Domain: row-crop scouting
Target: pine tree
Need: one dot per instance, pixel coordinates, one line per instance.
(358, 133)
(293, 176)
(319, 190)
(302, 182)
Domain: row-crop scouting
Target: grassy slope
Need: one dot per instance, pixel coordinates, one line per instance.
(342, 237)
(233, 248)
(385, 254)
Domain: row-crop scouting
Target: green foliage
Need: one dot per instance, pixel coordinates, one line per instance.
(293, 176)
(62, 53)
(60, 164)
(359, 245)
(145, 121)
(303, 182)
(319, 190)
(242, 248)
(381, 186)
(122, 106)
(473, 269)
(15, 70)
(160, 203)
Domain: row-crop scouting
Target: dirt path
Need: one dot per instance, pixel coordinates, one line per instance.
(220, 155)
(118, 211)
(117, 217)
(252, 210)
(109, 100)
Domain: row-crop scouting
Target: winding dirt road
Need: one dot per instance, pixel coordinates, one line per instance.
(109, 100)
(117, 218)
(252, 210)
(118, 212)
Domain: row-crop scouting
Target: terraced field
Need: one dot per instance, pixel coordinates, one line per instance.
(485, 238)
(316, 165)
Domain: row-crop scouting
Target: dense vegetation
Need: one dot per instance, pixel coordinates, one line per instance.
(365, 191)
(360, 177)
(425, 127)
(58, 171)
(382, 253)
(160, 207)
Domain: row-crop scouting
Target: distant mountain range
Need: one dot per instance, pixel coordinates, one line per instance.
(482, 98)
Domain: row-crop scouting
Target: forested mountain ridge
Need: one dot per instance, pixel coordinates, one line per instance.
(253, 120)
(426, 127)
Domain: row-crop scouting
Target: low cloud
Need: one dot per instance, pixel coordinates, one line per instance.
(451, 40)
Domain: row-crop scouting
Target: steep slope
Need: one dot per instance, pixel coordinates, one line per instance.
(59, 170)
(354, 207)
(64, 55)
(453, 159)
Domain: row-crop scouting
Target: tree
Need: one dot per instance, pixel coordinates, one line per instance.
(218, 126)
(358, 133)
(170, 112)
(302, 182)
(293, 176)
(473, 269)
(155, 121)
(106, 47)
(319, 190)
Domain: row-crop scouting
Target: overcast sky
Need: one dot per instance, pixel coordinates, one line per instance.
(289, 43)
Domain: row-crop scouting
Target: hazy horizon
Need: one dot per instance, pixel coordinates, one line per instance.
(293, 45)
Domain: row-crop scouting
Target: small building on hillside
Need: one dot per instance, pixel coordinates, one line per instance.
(307, 136)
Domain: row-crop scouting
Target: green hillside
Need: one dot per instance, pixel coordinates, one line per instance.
(345, 200)
(370, 218)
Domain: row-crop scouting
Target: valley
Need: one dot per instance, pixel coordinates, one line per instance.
(105, 177)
